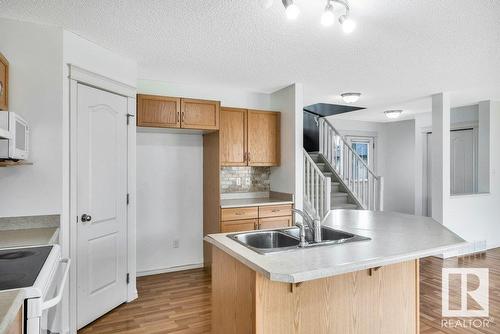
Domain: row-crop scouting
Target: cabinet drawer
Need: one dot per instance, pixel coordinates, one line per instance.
(275, 210)
(274, 222)
(239, 213)
(238, 225)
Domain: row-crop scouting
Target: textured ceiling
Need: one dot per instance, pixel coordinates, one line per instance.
(402, 50)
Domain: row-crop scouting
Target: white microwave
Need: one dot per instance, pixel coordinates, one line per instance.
(14, 136)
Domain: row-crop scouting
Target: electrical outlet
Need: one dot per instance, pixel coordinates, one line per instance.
(176, 243)
(247, 181)
(238, 181)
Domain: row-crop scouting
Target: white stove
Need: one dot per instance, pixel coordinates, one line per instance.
(41, 272)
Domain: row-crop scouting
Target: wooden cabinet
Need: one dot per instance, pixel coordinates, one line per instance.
(4, 83)
(233, 137)
(158, 111)
(275, 211)
(200, 114)
(263, 138)
(239, 225)
(275, 222)
(249, 137)
(254, 218)
(174, 112)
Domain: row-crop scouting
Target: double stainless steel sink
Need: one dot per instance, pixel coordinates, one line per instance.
(273, 241)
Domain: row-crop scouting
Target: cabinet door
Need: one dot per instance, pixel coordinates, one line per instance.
(263, 138)
(239, 213)
(233, 137)
(238, 225)
(158, 111)
(4, 83)
(275, 222)
(200, 114)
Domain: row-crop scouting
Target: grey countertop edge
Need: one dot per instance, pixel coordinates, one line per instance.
(333, 271)
(257, 202)
(15, 304)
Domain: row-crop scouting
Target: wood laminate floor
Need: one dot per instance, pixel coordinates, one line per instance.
(180, 302)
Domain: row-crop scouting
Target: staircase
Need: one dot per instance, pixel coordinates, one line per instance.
(336, 177)
(339, 196)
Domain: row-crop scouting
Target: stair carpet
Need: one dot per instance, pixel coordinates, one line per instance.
(339, 199)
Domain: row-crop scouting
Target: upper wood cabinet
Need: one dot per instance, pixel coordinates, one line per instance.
(158, 111)
(249, 137)
(263, 138)
(4, 83)
(173, 112)
(200, 114)
(233, 137)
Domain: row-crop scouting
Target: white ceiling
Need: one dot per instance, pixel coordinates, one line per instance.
(401, 52)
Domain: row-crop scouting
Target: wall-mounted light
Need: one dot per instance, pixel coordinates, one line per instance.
(392, 114)
(350, 97)
(291, 9)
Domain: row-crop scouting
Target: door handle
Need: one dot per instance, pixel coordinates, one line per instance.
(86, 218)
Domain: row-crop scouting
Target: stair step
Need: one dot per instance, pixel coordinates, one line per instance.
(339, 194)
(344, 206)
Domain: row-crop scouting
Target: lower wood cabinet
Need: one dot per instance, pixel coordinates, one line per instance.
(274, 222)
(239, 225)
(255, 218)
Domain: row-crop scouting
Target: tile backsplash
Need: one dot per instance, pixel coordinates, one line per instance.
(245, 179)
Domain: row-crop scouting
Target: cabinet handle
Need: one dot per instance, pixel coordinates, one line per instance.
(248, 156)
(238, 213)
(177, 117)
(183, 116)
(275, 210)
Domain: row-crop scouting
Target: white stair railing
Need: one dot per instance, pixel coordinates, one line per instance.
(366, 187)
(317, 187)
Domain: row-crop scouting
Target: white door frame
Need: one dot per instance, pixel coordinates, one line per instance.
(78, 75)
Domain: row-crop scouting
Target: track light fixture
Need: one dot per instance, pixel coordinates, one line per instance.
(327, 19)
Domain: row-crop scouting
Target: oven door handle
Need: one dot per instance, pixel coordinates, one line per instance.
(54, 301)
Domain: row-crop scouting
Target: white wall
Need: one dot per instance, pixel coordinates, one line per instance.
(395, 158)
(170, 183)
(397, 165)
(169, 200)
(229, 96)
(35, 56)
(475, 217)
(288, 176)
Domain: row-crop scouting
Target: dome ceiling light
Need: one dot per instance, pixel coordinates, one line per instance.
(350, 97)
(327, 18)
(392, 114)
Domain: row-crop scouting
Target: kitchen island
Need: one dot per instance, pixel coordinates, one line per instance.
(361, 287)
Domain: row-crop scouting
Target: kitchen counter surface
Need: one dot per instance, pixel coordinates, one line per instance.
(394, 237)
(10, 303)
(245, 202)
(29, 237)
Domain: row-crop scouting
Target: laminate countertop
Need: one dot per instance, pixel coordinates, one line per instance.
(29, 237)
(246, 202)
(394, 237)
(10, 303)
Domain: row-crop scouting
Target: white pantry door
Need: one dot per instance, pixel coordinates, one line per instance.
(101, 203)
(463, 162)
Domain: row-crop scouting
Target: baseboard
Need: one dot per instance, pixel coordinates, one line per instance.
(169, 270)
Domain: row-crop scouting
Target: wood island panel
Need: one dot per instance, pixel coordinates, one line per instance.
(382, 301)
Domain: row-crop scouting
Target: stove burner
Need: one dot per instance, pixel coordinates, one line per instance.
(11, 277)
(16, 255)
